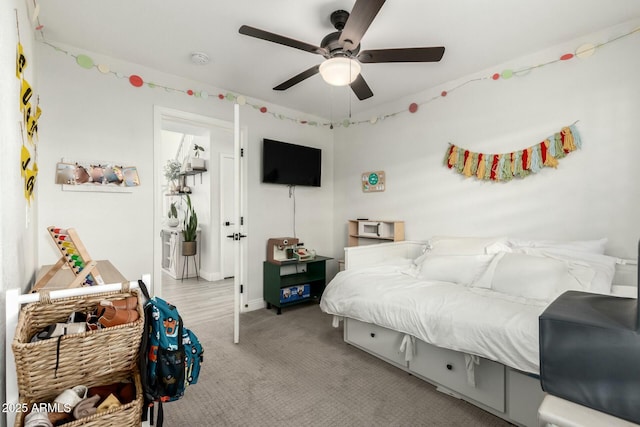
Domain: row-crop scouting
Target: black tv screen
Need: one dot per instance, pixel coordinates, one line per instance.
(290, 164)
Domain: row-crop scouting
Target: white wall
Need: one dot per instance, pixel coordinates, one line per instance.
(593, 193)
(91, 115)
(17, 219)
(271, 209)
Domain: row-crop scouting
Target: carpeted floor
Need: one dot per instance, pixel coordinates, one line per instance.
(295, 370)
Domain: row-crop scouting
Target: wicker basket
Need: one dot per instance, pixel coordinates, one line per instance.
(125, 415)
(43, 369)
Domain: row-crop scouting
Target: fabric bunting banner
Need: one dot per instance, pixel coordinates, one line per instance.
(518, 164)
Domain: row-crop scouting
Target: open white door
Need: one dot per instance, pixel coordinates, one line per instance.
(238, 235)
(227, 215)
(237, 244)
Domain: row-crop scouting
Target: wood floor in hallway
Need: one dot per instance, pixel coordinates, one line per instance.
(199, 300)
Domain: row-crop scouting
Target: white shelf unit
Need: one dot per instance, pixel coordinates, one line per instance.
(172, 259)
(363, 231)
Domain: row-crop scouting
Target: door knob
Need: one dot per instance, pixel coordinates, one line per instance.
(236, 236)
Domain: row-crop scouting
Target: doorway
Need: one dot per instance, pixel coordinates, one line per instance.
(227, 258)
(212, 193)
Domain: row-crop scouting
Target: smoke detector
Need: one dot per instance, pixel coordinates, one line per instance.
(199, 58)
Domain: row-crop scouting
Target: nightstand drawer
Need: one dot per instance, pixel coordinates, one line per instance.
(447, 368)
(377, 340)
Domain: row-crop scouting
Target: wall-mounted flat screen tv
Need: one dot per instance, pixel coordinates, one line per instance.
(290, 164)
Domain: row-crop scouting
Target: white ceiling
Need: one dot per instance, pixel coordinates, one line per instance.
(476, 33)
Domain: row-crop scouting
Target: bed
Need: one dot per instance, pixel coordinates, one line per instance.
(462, 313)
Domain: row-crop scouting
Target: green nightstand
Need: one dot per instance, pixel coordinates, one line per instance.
(306, 286)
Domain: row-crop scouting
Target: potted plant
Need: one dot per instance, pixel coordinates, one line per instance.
(189, 230)
(172, 173)
(173, 215)
(196, 162)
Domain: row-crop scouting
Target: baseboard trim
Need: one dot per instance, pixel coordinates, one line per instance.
(255, 304)
(211, 277)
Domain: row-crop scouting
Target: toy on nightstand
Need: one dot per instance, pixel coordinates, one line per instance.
(303, 254)
(281, 250)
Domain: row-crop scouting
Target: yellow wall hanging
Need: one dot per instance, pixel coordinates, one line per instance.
(517, 164)
(29, 125)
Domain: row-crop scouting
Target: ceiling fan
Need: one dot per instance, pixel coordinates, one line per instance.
(341, 49)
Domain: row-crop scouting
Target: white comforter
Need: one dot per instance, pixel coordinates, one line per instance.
(471, 320)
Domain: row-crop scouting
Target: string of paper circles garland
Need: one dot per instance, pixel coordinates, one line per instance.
(584, 51)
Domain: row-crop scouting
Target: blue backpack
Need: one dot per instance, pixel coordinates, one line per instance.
(170, 355)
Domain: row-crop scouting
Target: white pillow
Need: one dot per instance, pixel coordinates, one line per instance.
(444, 245)
(485, 279)
(461, 269)
(604, 266)
(590, 246)
(578, 278)
(528, 276)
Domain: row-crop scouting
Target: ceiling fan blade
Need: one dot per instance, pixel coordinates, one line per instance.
(297, 79)
(411, 54)
(362, 15)
(361, 88)
(276, 38)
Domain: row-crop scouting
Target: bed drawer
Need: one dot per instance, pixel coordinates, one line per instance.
(447, 368)
(379, 341)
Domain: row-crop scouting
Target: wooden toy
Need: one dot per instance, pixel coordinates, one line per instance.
(75, 257)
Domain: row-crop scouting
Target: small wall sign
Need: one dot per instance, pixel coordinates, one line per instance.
(373, 181)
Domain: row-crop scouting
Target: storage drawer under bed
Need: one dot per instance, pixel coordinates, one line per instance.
(447, 368)
(382, 342)
(441, 366)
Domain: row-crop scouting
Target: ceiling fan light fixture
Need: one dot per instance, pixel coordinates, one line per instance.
(340, 71)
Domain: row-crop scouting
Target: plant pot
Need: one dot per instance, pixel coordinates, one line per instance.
(198, 164)
(189, 248)
(173, 222)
